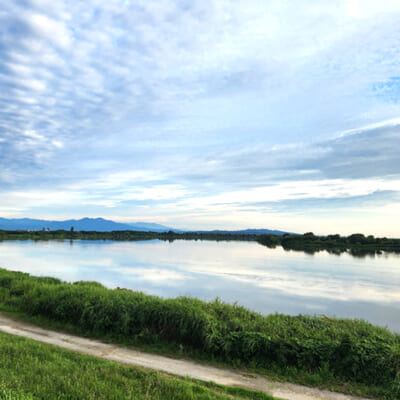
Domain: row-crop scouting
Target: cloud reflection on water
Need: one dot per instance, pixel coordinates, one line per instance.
(267, 280)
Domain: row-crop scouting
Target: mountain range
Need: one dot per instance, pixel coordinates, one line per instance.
(84, 224)
(105, 225)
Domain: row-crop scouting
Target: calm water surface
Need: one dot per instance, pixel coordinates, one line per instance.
(266, 280)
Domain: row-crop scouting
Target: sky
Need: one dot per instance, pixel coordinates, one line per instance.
(203, 114)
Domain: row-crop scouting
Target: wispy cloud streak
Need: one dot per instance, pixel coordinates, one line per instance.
(172, 110)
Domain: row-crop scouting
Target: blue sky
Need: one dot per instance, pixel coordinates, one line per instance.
(203, 113)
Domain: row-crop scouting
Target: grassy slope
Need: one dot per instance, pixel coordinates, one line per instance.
(347, 355)
(31, 370)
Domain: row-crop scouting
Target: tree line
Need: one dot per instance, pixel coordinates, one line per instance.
(357, 244)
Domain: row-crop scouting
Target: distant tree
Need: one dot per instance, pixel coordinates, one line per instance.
(356, 238)
(269, 240)
(336, 236)
(309, 236)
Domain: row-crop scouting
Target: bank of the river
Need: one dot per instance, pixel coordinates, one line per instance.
(347, 355)
(308, 242)
(185, 368)
(36, 371)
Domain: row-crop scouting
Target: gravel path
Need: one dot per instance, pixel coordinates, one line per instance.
(287, 391)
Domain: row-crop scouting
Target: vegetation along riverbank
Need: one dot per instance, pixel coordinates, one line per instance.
(30, 370)
(356, 244)
(348, 355)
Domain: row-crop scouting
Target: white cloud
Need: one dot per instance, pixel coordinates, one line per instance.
(34, 135)
(196, 105)
(322, 189)
(54, 31)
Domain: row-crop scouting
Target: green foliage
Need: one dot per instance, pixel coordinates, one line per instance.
(344, 350)
(119, 235)
(357, 244)
(269, 240)
(10, 394)
(31, 370)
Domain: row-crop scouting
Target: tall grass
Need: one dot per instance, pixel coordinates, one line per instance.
(336, 349)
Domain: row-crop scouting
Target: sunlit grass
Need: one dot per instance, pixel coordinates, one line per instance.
(350, 355)
(31, 370)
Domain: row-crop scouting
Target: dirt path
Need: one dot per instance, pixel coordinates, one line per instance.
(285, 391)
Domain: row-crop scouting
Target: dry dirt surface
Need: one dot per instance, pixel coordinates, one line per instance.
(287, 391)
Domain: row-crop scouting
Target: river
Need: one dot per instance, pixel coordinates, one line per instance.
(262, 279)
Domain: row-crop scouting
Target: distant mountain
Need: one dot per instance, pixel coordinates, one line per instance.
(151, 226)
(106, 225)
(84, 224)
(248, 232)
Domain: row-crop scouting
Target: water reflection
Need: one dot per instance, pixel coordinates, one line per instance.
(264, 279)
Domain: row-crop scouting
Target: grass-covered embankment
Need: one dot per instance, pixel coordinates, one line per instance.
(31, 370)
(347, 354)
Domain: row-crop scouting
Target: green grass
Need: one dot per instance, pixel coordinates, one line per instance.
(346, 355)
(31, 370)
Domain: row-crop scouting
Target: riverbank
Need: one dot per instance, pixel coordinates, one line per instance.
(345, 355)
(356, 244)
(184, 368)
(31, 370)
